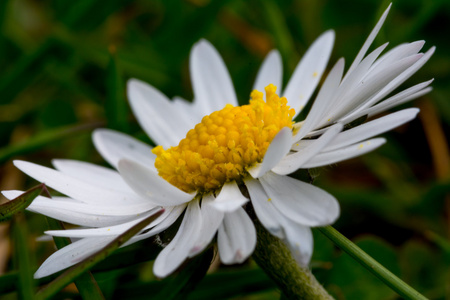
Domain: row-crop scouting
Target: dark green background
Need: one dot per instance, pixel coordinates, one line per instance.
(63, 69)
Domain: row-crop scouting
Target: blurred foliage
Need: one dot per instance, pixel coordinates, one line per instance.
(64, 66)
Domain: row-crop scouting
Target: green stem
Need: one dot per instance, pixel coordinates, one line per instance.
(295, 281)
(370, 264)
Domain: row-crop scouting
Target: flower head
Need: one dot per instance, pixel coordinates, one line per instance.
(215, 156)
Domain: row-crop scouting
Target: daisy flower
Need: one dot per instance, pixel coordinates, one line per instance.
(215, 159)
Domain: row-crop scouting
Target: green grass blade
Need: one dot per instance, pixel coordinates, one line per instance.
(86, 284)
(395, 283)
(116, 106)
(22, 248)
(73, 273)
(10, 208)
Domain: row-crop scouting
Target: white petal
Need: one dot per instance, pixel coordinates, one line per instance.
(377, 84)
(399, 52)
(150, 185)
(369, 41)
(229, 199)
(211, 82)
(301, 202)
(192, 112)
(76, 188)
(279, 147)
(236, 237)
(322, 102)
(299, 239)
(94, 174)
(372, 128)
(79, 213)
(104, 231)
(71, 254)
(114, 146)
(271, 72)
(267, 214)
(156, 114)
(417, 60)
(165, 221)
(308, 72)
(327, 158)
(399, 98)
(293, 162)
(343, 99)
(211, 220)
(173, 255)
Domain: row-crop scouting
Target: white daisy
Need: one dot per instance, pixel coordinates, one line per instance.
(215, 156)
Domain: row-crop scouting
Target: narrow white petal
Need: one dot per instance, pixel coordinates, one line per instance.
(156, 114)
(76, 188)
(236, 237)
(211, 220)
(299, 239)
(279, 147)
(271, 72)
(395, 100)
(267, 214)
(369, 41)
(94, 174)
(344, 98)
(104, 231)
(114, 146)
(377, 84)
(229, 199)
(70, 255)
(301, 202)
(173, 255)
(79, 213)
(109, 210)
(308, 72)
(150, 185)
(372, 128)
(417, 62)
(171, 214)
(211, 82)
(327, 158)
(293, 162)
(322, 102)
(399, 52)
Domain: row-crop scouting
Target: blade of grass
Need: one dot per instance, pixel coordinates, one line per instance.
(86, 284)
(25, 284)
(395, 283)
(10, 208)
(43, 139)
(71, 274)
(116, 106)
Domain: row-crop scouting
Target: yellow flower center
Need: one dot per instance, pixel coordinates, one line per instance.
(225, 143)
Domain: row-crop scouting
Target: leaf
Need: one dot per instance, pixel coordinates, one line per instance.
(25, 284)
(10, 208)
(86, 284)
(371, 264)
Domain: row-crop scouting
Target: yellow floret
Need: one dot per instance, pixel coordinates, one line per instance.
(225, 143)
